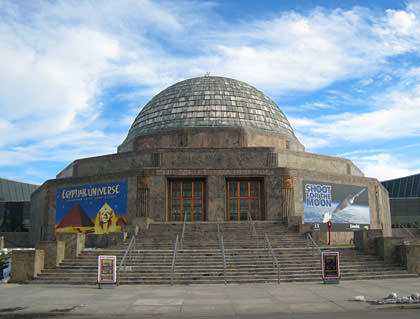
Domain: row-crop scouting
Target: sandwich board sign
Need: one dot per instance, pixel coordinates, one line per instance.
(107, 270)
(330, 267)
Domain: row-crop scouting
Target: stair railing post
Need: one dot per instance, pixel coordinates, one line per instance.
(173, 260)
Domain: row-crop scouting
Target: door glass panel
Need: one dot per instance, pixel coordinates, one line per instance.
(197, 210)
(244, 209)
(176, 190)
(233, 209)
(255, 209)
(233, 189)
(176, 209)
(253, 188)
(244, 189)
(187, 209)
(197, 189)
(186, 189)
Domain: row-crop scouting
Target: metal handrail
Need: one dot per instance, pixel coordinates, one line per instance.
(409, 232)
(222, 247)
(122, 262)
(173, 260)
(275, 260)
(183, 231)
(314, 244)
(252, 225)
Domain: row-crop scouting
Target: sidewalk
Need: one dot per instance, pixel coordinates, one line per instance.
(200, 300)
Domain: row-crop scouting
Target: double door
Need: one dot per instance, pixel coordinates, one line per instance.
(186, 201)
(244, 200)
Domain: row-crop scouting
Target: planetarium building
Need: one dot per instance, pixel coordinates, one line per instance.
(206, 149)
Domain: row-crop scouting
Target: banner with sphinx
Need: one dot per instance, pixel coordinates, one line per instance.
(94, 209)
(346, 206)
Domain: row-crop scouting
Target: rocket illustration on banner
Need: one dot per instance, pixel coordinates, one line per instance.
(348, 201)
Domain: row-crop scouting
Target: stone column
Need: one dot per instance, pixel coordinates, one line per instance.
(287, 197)
(216, 197)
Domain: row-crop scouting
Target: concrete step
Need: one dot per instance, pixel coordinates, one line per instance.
(200, 260)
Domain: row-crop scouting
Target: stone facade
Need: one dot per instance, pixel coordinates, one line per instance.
(215, 153)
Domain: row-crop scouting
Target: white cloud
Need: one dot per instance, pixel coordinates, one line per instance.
(58, 58)
(308, 52)
(397, 117)
(384, 166)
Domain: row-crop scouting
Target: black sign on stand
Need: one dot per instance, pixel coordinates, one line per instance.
(330, 267)
(107, 270)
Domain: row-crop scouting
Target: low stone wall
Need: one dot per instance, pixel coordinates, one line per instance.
(104, 240)
(75, 243)
(387, 248)
(409, 255)
(337, 238)
(26, 265)
(54, 252)
(365, 240)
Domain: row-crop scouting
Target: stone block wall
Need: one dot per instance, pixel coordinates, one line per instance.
(74, 243)
(54, 252)
(410, 254)
(26, 265)
(387, 248)
(365, 240)
(337, 238)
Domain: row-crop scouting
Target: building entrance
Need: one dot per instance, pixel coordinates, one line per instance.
(186, 199)
(244, 197)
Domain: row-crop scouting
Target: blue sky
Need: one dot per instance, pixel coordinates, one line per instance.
(74, 74)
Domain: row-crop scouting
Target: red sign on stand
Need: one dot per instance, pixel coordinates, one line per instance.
(330, 267)
(107, 270)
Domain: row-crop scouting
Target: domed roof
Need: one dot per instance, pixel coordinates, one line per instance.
(210, 101)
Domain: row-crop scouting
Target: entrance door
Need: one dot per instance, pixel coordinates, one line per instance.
(244, 197)
(186, 199)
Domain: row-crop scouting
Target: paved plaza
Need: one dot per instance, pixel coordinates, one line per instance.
(232, 300)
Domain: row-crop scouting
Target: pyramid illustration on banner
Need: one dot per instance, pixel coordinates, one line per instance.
(76, 220)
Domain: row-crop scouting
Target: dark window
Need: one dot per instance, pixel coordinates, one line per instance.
(14, 216)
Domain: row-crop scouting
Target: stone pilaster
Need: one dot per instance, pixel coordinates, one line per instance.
(287, 196)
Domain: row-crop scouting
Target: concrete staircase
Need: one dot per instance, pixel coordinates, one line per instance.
(199, 257)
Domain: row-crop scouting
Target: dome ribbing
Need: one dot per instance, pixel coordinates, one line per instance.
(210, 101)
